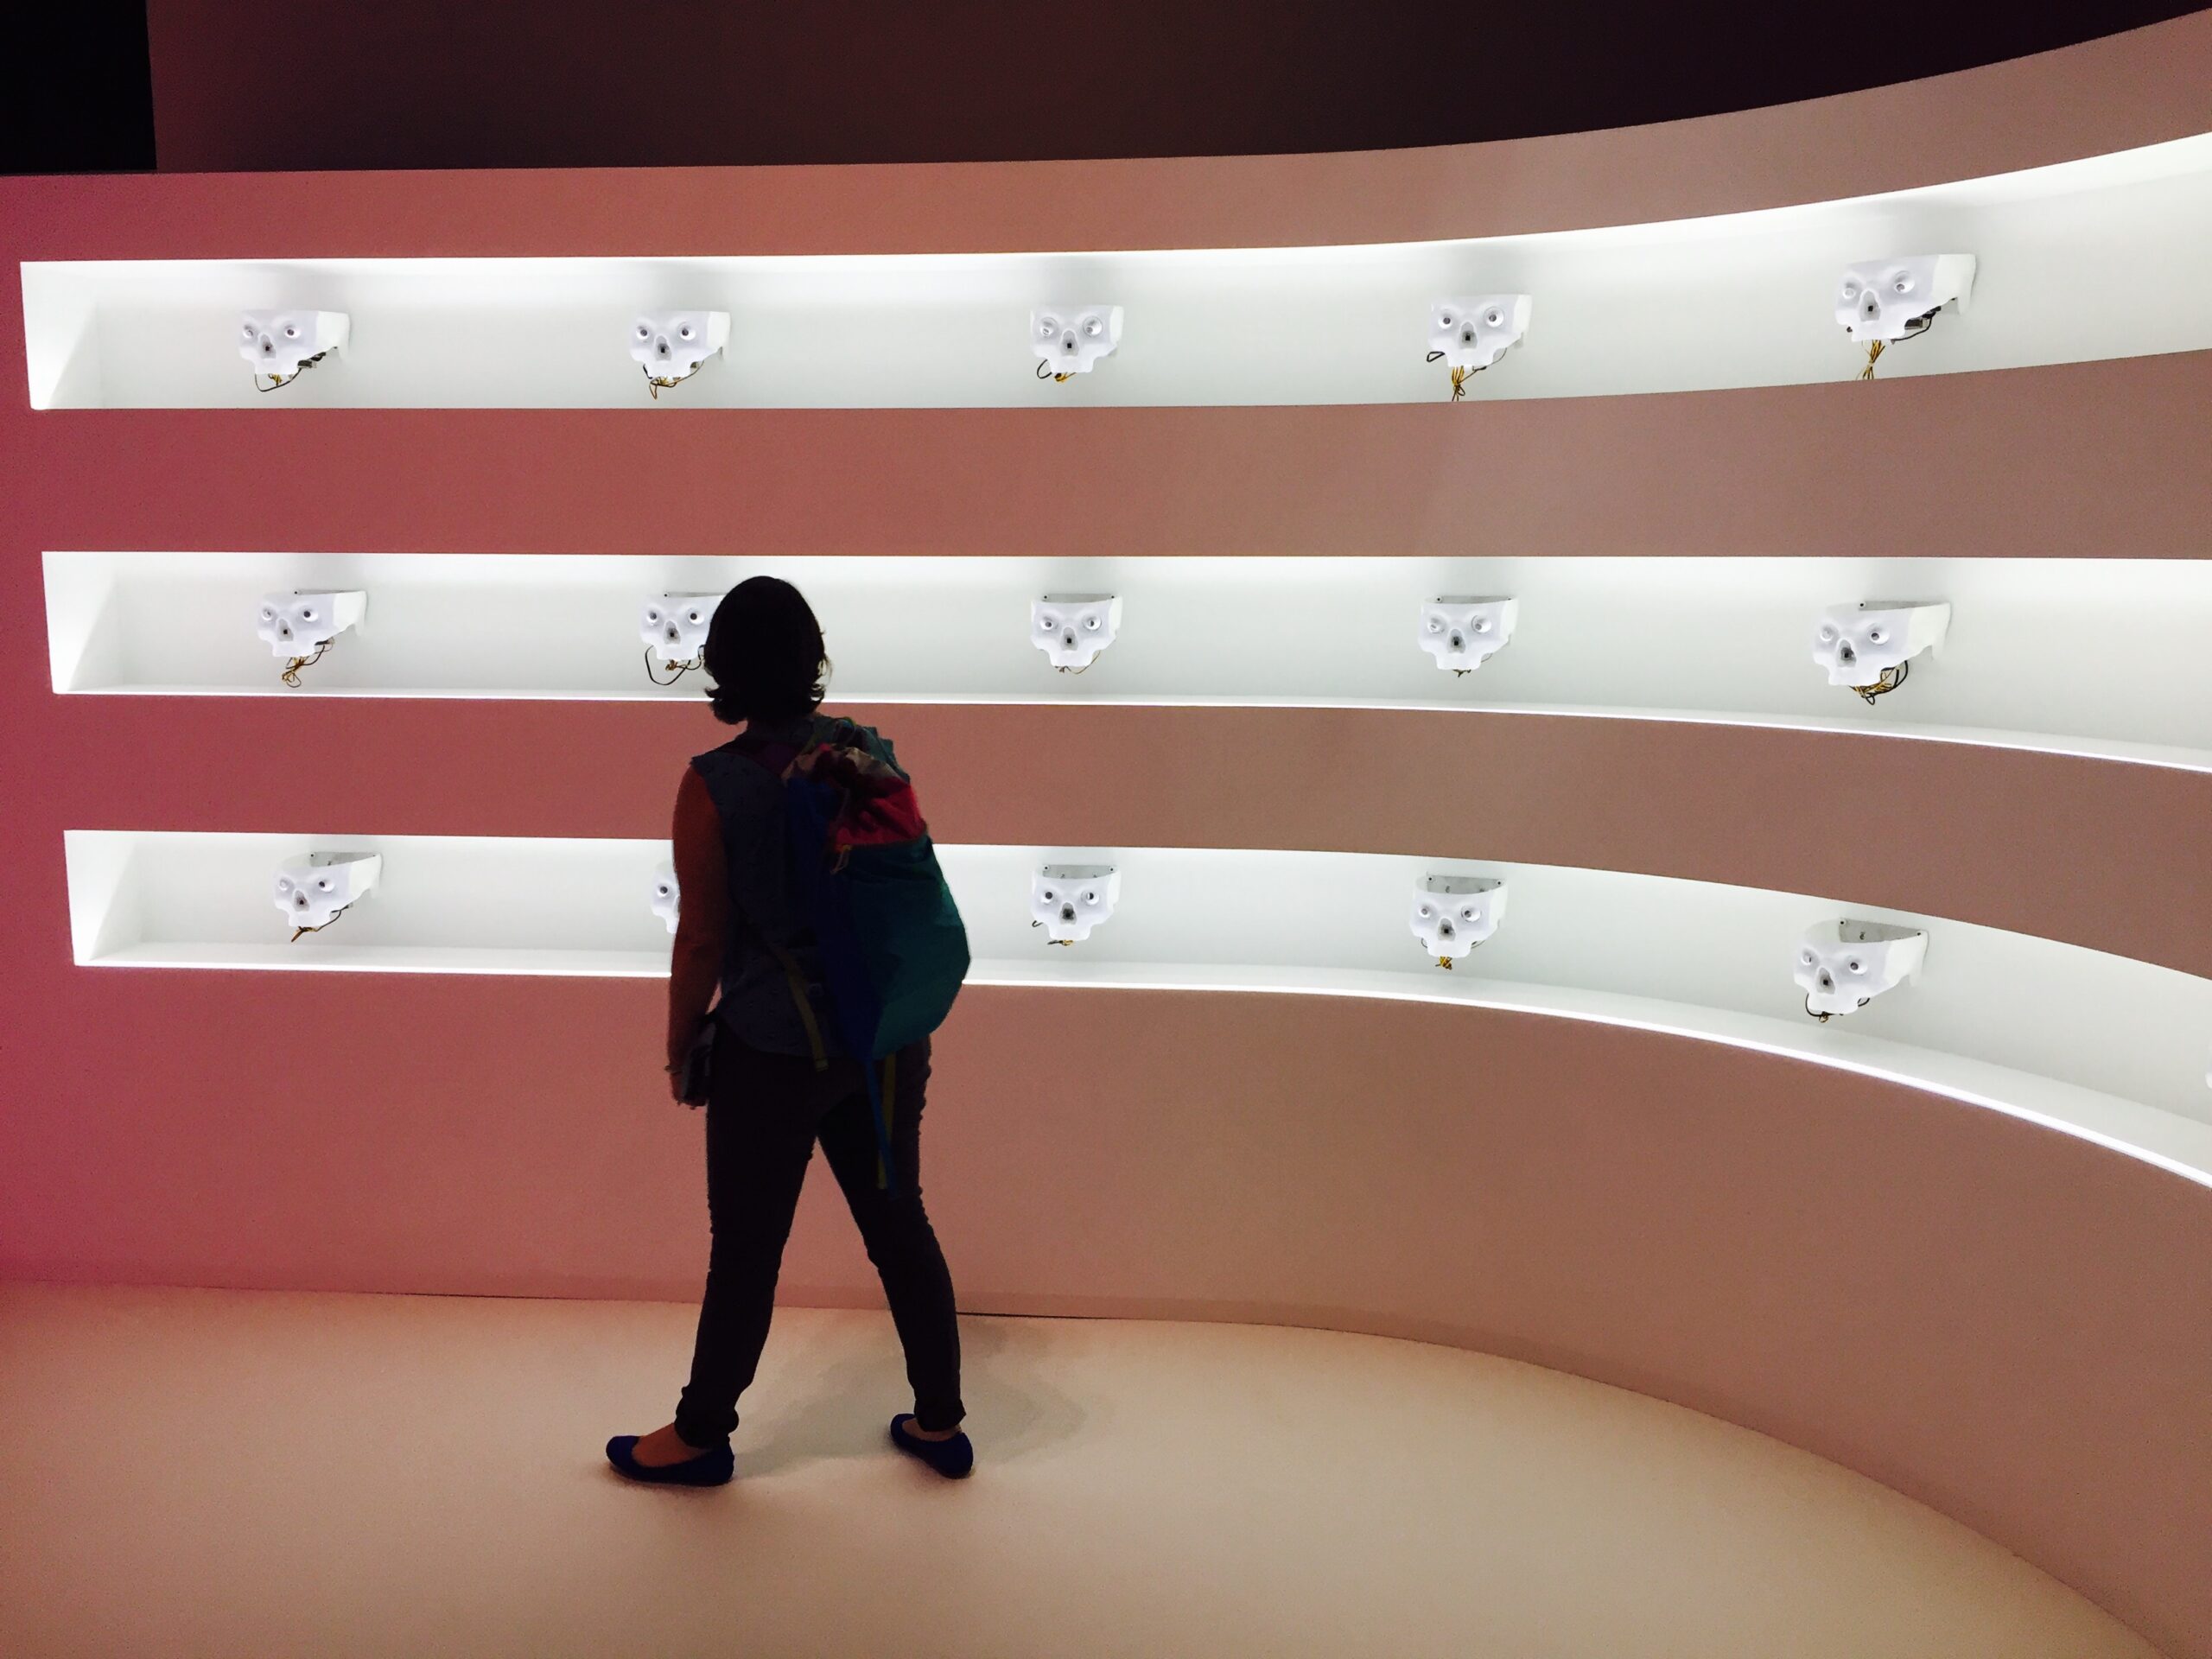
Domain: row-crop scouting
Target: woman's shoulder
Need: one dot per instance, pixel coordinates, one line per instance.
(728, 766)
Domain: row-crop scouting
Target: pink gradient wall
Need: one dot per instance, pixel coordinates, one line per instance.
(2013, 1326)
(2141, 88)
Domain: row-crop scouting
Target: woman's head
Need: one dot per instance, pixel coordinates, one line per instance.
(763, 654)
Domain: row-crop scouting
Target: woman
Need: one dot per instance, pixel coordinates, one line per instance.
(740, 930)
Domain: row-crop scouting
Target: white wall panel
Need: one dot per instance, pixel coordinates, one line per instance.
(2097, 1043)
(2091, 655)
(2107, 257)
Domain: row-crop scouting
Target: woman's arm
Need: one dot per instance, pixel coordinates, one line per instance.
(702, 914)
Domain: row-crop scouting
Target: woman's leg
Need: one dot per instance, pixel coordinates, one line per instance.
(760, 1119)
(896, 1231)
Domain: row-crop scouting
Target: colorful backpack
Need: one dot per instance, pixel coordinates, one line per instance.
(865, 874)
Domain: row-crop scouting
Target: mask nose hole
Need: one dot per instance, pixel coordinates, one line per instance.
(268, 347)
(660, 346)
(1067, 912)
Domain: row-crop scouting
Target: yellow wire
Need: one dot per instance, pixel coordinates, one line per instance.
(1873, 351)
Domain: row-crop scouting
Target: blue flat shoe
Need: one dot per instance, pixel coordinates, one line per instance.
(712, 1468)
(952, 1458)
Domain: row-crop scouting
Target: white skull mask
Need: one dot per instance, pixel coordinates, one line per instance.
(1072, 341)
(1843, 965)
(1857, 644)
(1072, 629)
(293, 624)
(1473, 333)
(1452, 914)
(667, 900)
(1463, 633)
(676, 625)
(312, 891)
(671, 344)
(1892, 299)
(278, 343)
(1068, 900)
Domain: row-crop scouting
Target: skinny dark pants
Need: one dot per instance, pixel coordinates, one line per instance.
(764, 1114)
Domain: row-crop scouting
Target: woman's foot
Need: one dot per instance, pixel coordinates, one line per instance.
(662, 1447)
(945, 1450)
(648, 1458)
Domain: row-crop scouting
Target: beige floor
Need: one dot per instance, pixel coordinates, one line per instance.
(210, 1473)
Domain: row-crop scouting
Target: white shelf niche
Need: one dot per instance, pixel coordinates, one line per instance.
(2105, 256)
(2098, 657)
(2094, 1044)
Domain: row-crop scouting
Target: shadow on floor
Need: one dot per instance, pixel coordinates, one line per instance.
(1013, 1410)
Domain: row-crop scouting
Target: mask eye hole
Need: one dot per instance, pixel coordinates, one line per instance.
(1445, 320)
(644, 330)
(1876, 634)
(1494, 318)
(1093, 326)
(1047, 620)
(1854, 965)
(1828, 633)
(1093, 623)
(1051, 898)
(1806, 959)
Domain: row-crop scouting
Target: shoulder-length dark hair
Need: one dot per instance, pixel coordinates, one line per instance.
(765, 654)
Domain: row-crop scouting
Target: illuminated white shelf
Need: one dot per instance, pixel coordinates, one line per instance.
(2105, 257)
(2095, 1044)
(2099, 657)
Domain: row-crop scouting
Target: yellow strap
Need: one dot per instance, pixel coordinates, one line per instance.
(797, 982)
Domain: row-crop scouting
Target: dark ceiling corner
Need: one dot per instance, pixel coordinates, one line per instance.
(77, 91)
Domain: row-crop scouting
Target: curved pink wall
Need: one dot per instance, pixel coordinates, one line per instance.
(2141, 88)
(2011, 1324)
(2069, 461)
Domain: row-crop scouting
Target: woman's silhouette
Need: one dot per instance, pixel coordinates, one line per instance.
(742, 931)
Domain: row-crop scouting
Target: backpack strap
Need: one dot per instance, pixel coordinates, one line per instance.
(796, 978)
(776, 758)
